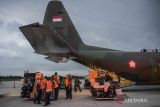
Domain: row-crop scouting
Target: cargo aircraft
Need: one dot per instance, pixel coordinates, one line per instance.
(58, 39)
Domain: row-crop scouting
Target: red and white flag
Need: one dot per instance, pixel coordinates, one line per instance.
(57, 18)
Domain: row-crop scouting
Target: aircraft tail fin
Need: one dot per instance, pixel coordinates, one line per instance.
(58, 19)
(57, 37)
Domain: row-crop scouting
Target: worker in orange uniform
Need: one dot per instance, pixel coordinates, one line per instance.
(56, 80)
(68, 86)
(42, 85)
(48, 89)
(38, 81)
(39, 92)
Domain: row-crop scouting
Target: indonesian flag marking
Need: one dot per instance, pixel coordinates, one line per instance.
(57, 18)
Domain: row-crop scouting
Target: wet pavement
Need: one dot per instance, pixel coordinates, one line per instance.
(84, 99)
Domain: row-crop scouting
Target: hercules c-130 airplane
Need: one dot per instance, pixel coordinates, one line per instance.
(58, 39)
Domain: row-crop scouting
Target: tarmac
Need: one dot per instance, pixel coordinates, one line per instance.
(84, 99)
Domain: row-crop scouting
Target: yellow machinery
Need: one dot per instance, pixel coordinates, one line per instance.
(123, 82)
(93, 74)
(102, 85)
(106, 85)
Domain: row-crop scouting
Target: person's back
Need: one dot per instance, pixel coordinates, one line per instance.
(56, 81)
(37, 99)
(48, 89)
(68, 85)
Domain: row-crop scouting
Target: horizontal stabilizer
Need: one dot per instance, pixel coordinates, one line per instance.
(44, 40)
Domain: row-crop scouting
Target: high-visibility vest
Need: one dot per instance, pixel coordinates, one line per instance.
(68, 83)
(49, 86)
(56, 78)
(42, 83)
(92, 74)
(93, 81)
(55, 84)
(56, 81)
